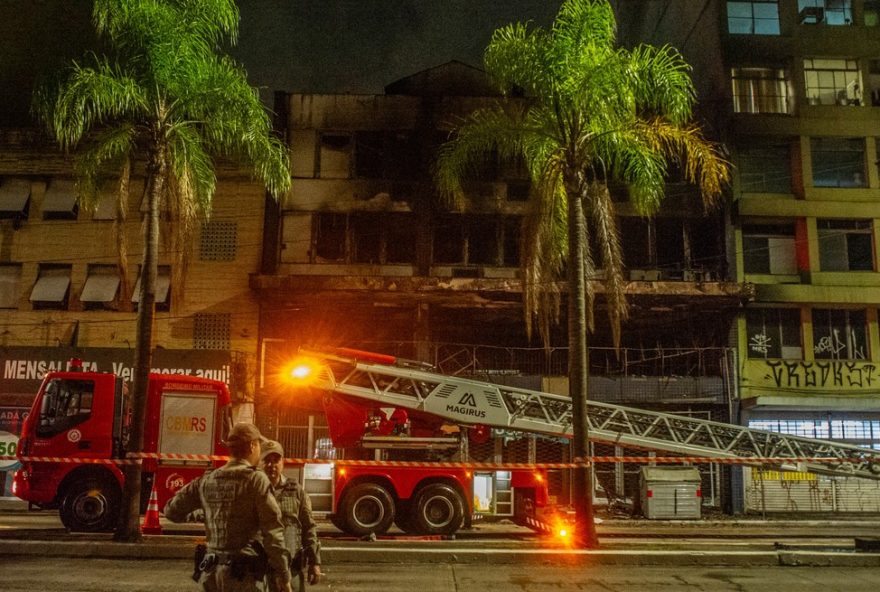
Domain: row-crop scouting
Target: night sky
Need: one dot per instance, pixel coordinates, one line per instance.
(323, 46)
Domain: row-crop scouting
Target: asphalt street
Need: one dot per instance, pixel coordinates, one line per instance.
(26, 574)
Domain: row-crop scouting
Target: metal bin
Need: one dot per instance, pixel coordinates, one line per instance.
(670, 492)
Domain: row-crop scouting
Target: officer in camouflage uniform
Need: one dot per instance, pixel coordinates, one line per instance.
(240, 512)
(300, 529)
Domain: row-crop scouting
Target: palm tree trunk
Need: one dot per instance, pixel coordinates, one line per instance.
(585, 527)
(128, 528)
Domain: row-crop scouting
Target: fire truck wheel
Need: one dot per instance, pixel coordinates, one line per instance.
(439, 510)
(368, 508)
(90, 504)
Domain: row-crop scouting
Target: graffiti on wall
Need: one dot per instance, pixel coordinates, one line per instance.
(820, 374)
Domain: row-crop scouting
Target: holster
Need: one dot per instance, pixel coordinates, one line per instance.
(198, 562)
(298, 561)
(254, 562)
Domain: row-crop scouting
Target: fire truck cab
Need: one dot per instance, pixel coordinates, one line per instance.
(74, 442)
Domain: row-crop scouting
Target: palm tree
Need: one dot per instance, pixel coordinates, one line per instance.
(168, 96)
(592, 114)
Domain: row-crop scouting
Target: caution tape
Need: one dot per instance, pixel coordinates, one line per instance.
(139, 457)
(69, 460)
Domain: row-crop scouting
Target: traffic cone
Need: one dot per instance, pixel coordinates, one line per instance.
(151, 518)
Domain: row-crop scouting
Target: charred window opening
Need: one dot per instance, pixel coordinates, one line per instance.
(330, 234)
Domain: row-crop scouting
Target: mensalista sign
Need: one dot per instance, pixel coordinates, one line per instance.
(23, 368)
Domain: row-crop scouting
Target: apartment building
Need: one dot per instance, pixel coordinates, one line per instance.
(363, 253)
(793, 87)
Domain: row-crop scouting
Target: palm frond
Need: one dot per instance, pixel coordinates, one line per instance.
(234, 123)
(192, 167)
(110, 147)
(544, 239)
(700, 159)
(660, 80)
(90, 96)
(484, 133)
(601, 212)
(516, 59)
(581, 23)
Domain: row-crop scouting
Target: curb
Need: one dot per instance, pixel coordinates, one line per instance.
(182, 548)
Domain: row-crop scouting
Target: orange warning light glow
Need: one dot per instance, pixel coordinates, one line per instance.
(300, 371)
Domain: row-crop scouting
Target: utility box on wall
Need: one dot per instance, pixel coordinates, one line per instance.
(670, 492)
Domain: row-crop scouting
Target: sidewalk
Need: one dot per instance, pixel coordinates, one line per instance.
(727, 542)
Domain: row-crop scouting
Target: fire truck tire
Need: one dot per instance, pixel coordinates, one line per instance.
(367, 508)
(439, 510)
(90, 504)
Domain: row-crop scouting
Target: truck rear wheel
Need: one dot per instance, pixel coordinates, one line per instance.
(90, 504)
(368, 508)
(439, 510)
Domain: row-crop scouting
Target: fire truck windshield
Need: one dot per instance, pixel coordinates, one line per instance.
(65, 404)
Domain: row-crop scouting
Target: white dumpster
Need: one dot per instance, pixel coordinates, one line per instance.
(670, 492)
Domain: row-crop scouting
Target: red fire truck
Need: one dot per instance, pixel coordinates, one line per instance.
(409, 484)
(82, 420)
(379, 402)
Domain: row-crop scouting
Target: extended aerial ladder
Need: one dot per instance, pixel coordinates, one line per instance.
(391, 382)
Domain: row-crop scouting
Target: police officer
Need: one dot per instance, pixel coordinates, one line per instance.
(240, 511)
(300, 529)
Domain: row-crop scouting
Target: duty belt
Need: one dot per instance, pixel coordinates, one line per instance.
(222, 557)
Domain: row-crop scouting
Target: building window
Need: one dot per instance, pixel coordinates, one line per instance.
(769, 249)
(212, 331)
(384, 155)
(60, 200)
(163, 289)
(101, 287)
(52, 287)
(15, 199)
(758, 17)
(512, 233)
(774, 333)
(218, 241)
(330, 238)
(400, 238)
(838, 162)
(839, 334)
(334, 158)
(760, 90)
(828, 12)
(845, 245)
(10, 282)
(764, 168)
(382, 238)
(871, 12)
(832, 81)
(366, 230)
(858, 432)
